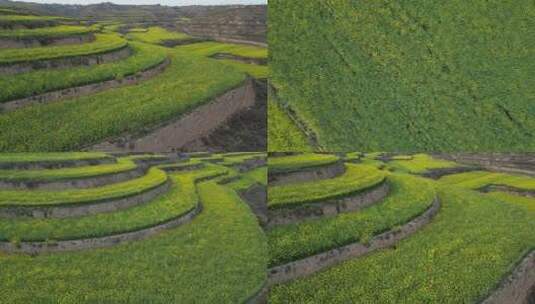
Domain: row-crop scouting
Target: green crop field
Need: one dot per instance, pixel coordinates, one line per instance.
(460, 255)
(42, 81)
(155, 35)
(103, 43)
(204, 259)
(207, 49)
(406, 76)
(80, 101)
(46, 32)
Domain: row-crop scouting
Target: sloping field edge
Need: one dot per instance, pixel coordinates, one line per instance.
(331, 207)
(507, 189)
(309, 265)
(74, 182)
(518, 287)
(189, 126)
(248, 60)
(57, 164)
(66, 62)
(86, 208)
(100, 242)
(298, 122)
(45, 41)
(308, 174)
(86, 89)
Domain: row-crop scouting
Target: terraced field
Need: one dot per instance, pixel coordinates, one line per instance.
(386, 230)
(65, 85)
(403, 76)
(183, 222)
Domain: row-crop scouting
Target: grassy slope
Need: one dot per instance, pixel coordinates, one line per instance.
(283, 134)
(156, 35)
(210, 48)
(42, 81)
(205, 261)
(180, 198)
(300, 161)
(409, 196)
(420, 163)
(408, 76)
(478, 179)
(256, 176)
(458, 258)
(46, 32)
(122, 165)
(90, 119)
(103, 43)
(153, 178)
(40, 157)
(356, 178)
(206, 49)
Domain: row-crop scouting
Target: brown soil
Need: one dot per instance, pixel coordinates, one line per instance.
(518, 287)
(245, 131)
(178, 135)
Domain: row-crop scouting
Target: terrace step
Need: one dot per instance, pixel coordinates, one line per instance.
(307, 174)
(99, 242)
(65, 62)
(78, 91)
(74, 183)
(56, 164)
(507, 189)
(86, 208)
(307, 266)
(16, 43)
(248, 60)
(198, 123)
(331, 207)
(518, 287)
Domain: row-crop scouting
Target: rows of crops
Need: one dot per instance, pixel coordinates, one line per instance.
(460, 255)
(216, 261)
(410, 76)
(40, 116)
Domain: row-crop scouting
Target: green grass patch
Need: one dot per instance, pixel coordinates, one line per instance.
(211, 48)
(122, 165)
(102, 44)
(50, 157)
(283, 134)
(459, 257)
(180, 198)
(356, 178)
(255, 70)
(300, 161)
(246, 180)
(153, 178)
(409, 197)
(156, 35)
(41, 81)
(420, 163)
(30, 21)
(220, 257)
(46, 32)
(78, 122)
(206, 49)
(407, 76)
(478, 179)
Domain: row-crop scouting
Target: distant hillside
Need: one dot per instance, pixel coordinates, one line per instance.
(234, 22)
